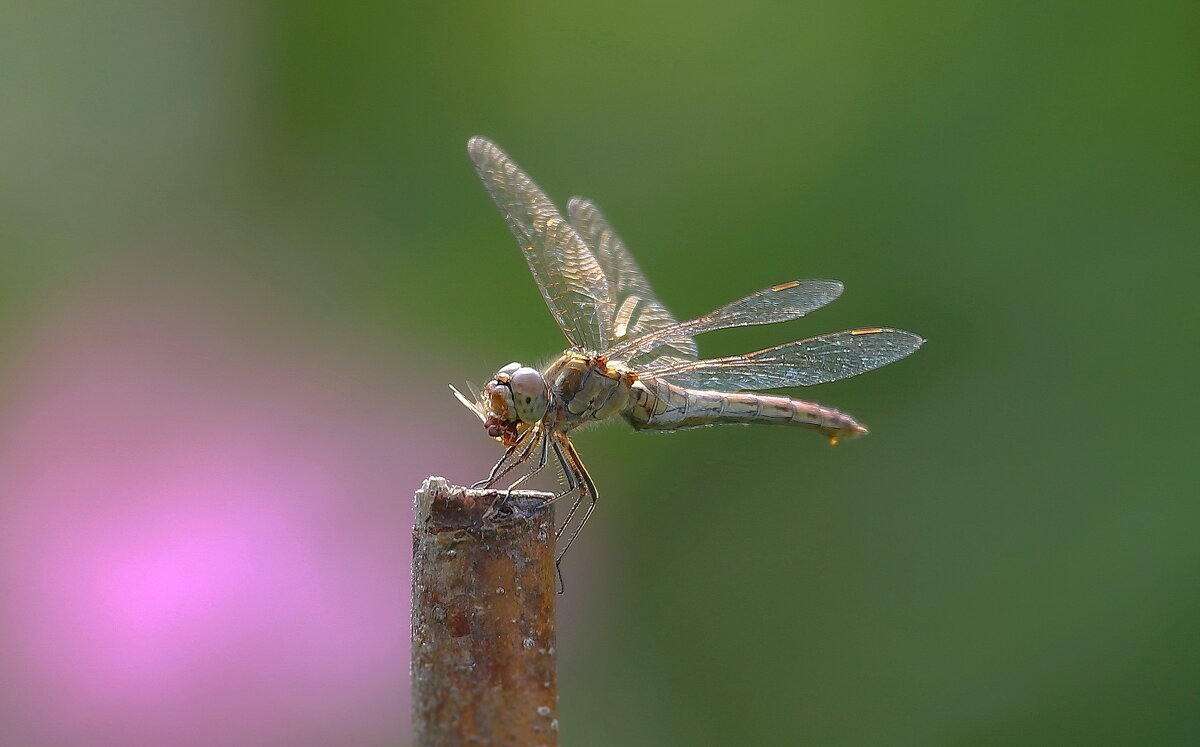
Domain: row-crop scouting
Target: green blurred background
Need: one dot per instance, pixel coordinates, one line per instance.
(1010, 558)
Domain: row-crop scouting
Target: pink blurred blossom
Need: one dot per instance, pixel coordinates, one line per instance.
(204, 539)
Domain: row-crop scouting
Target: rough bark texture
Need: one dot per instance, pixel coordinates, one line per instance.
(484, 670)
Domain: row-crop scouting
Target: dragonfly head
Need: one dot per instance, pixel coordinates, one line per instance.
(516, 395)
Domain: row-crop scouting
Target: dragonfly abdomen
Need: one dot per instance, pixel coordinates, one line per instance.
(663, 406)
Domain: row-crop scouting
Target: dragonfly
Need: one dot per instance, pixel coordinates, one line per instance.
(629, 358)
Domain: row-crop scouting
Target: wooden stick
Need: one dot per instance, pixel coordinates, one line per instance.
(484, 669)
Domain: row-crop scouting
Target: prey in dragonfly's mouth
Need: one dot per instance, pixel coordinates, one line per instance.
(514, 399)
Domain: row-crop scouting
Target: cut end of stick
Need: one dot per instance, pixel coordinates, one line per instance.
(442, 507)
(483, 643)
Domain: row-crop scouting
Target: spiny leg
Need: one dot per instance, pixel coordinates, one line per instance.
(577, 477)
(586, 488)
(495, 473)
(579, 480)
(542, 460)
(572, 485)
(507, 463)
(537, 440)
(531, 439)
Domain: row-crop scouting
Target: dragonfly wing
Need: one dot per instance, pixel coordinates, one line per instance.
(637, 310)
(779, 303)
(803, 363)
(565, 269)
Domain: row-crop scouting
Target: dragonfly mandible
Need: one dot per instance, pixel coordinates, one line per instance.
(630, 358)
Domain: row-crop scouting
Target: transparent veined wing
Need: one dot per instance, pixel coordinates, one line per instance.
(567, 273)
(813, 361)
(637, 310)
(779, 303)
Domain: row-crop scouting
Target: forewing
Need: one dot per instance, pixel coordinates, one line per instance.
(636, 309)
(803, 363)
(565, 269)
(779, 303)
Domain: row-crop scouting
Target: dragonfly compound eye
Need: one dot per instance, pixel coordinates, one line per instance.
(529, 394)
(503, 374)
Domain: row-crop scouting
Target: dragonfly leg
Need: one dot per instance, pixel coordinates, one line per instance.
(572, 486)
(542, 460)
(507, 463)
(510, 462)
(495, 473)
(579, 480)
(587, 489)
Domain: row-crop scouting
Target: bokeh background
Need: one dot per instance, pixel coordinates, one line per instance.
(242, 251)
